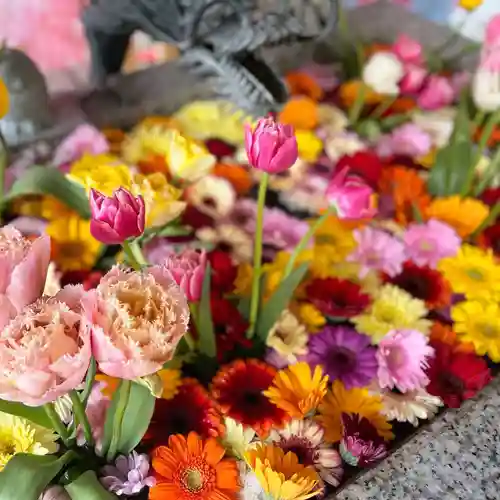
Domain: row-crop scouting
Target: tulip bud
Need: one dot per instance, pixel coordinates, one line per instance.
(271, 147)
(116, 218)
(351, 196)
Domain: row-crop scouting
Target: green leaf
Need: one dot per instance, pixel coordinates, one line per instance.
(88, 487)
(138, 405)
(279, 301)
(26, 476)
(50, 181)
(89, 381)
(462, 126)
(35, 414)
(205, 326)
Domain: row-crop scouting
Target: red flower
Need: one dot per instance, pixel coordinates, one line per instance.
(191, 409)
(490, 238)
(491, 196)
(195, 219)
(89, 279)
(425, 284)
(456, 376)
(224, 272)
(337, 298)
(366, 164)
(219, 148)
(238, 387)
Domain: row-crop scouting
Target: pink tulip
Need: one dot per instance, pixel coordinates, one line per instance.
(437, 93)
(413, 79)
(492, 33)
(116, 218)
(408, 50)
(271, 147)
(23, 271)
(352, 198)
(188, 270)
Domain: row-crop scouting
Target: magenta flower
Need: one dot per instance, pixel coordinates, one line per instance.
(377, 251)
(271, 147)
(413, 79)
(437, 93)
(408, 50)
(351, 196)
(407, 140)
(426, 244)
(116, 218)
(188, 270)
(128, 476)
(402, 357)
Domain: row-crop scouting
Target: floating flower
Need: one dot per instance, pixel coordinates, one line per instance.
(305, 439)
(45, 350)
(237, 438)
(382, 73)
(18, 435)
(128, 476)
(402, 357)
(456, 376)
(358, 401)
(193, 468)
(297, 389)
(360, 446)
(478, 322)
(428, 243)
(228, 238)
(212, 196)
(392, 309)
(138, 318)
(377, 250)
(281, 475)
(238, 388)
(344, 354)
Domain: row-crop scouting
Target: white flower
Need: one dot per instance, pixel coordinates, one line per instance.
(308, 196)
(52, 283)
(486, 89)
(438, 124)
(342, 144)
(332, 119)
(382, 73)
(212, 195)
(288, 337)
(229, 238)
(236, 437)
(250, 485)
(64, 408)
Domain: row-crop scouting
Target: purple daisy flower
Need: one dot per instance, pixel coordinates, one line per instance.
(344, 354)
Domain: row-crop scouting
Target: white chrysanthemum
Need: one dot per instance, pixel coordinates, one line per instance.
(237, 438)
(382, 73)
(288, 337)
(250, 485)
(230, 238)
(212, 195)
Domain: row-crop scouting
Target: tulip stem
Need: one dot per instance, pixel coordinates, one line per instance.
(357, 106)
(57, 423)
(134, 255)
(305, 240)
(257, 255)
(81, 417)
(382, 108)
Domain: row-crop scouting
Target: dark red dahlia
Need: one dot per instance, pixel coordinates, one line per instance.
(366, 164)
(456, 376)
(337, 298)
(89, 279)
(194, 218)
(224, 272)
(490, 238)
(423, 283)
(219, 148)
(491, 196)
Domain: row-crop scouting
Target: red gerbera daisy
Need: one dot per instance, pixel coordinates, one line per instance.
(456, 376)
(365, 164)
(337, 298)
(219, 148)
(491, 196)
(425, 284)
(191, 409)
(224, 272)
(238, 387)
(490, 238)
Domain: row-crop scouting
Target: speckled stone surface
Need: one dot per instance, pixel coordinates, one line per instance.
(456, 457)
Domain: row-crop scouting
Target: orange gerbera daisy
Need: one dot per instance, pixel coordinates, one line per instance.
(465, 215)
(238, 176)
(301, 112)
(446, 335)
(194, 469)
(115, 137)
(349, 92)
(302, 84)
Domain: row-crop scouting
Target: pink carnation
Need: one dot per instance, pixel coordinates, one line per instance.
(426, 244)
(45, 351)
(378, 251)
(407, 140)
(23, 270)
(402, 357)
(138, 318)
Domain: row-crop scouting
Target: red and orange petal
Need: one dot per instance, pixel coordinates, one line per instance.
(493, 139)
(300, 112)
(238, 176)
(193, 469)
(423, 283)
(190, 410)
(238, 387)
(490, 238)
(303, 84)
(153, 164)
(445, 334)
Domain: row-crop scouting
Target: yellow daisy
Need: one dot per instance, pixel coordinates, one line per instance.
(297, 390)
(470, 4)
(341, 400)
(309, 315)
(281, 475)
(392, 308)
(478, 322)
(243, 281)
(310, 146)
(473, 272)
(236, 438)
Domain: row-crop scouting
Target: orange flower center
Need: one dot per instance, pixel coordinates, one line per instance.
(197, 477)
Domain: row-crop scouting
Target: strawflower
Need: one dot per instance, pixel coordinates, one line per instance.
(281, 475)
(297, 389)
(193, 468)
(237, 438)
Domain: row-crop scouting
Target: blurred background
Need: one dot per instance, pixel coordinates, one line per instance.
(51, 33)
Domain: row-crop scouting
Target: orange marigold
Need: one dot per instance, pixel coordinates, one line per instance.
(349, 92)
(446, 335)
(303, 84)
(402, 104)
(301, 112)
(237, 175)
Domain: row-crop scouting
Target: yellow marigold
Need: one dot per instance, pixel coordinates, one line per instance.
(52, 208)
(341, 400)
(297, 390)
(473, 271)
(465, 215)
(428, 160)
(309, 315)
(281, 475)
(470, 4)
(4, 99)
(309, 145)
(349, 92)
(243, 281)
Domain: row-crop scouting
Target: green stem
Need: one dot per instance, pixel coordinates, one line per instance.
(382, 107)
(81, 417)
(478, 119)
(492, 217)
(488, 176)
(57, 423)
(187, 336)
(357, 106)
(124, 395)
(305, 240)
(257, 255)
(134, 254)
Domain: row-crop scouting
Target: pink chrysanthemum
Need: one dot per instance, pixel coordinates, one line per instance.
(426, 244)
(402, 357)
(379, 251)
